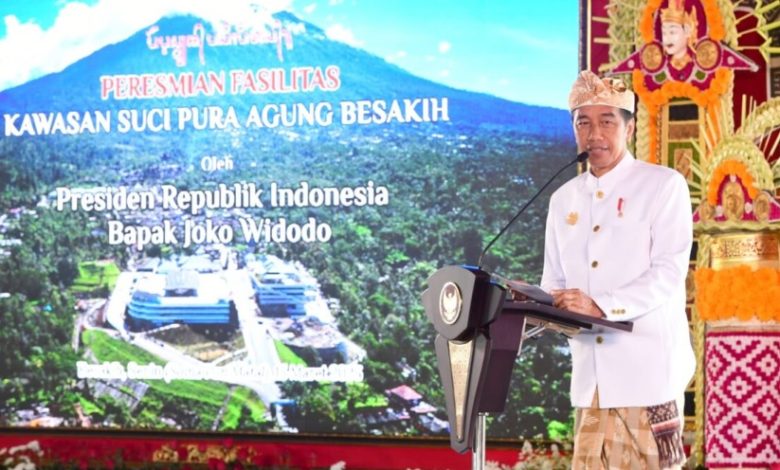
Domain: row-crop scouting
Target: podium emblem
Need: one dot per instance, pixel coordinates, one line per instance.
(450, 303)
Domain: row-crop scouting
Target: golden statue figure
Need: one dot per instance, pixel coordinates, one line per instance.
(708, 54)
(652, 56)
(733, 201)
(761, 206)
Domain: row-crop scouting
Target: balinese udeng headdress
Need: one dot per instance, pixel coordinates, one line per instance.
(590, 89)
(675, 13)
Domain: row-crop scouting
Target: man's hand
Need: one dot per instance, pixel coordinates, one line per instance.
(574, 300)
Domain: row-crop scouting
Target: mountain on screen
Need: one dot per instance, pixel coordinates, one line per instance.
(363, 76)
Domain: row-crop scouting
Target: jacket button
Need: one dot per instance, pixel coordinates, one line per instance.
(596, 228)
(594, 264)
(599, 339)
(599, 194)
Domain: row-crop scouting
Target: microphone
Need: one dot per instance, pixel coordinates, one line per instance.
(580, 158)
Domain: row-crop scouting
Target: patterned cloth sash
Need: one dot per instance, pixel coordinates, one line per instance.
(665, 424)
(628, 438)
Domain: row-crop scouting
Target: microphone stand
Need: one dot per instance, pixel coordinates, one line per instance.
(478, 450)
(580, 158)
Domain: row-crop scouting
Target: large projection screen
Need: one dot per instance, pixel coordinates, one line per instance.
(219, 216)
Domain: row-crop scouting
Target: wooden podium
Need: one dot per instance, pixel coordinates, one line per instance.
(480, 332)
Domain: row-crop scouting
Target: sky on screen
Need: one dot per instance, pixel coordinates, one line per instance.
(524, 51)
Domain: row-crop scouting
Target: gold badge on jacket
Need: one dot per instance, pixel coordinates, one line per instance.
(572, 218)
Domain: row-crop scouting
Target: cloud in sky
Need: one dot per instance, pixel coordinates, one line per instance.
(395, 56)
(339, 32)
(81, 29)
(444, 47)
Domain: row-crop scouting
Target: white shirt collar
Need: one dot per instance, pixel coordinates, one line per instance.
(609, 180)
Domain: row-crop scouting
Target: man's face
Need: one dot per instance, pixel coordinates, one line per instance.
(601, 131)
(674, 37)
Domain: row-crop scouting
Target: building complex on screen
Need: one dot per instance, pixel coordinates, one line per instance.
(193, 292)
(287, 290)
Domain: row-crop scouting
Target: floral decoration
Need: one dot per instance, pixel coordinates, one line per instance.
(80, 453)
(538, 458)
(709, 99)
(738, 293)
(730, 167)
(21, 457)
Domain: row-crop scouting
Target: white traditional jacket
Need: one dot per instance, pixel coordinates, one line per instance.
(625, 240)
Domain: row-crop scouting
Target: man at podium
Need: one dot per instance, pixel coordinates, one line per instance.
(617, 245)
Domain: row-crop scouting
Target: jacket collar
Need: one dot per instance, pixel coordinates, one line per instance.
(611, 178)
